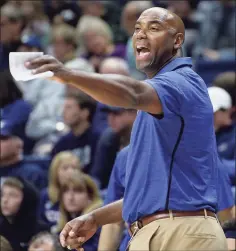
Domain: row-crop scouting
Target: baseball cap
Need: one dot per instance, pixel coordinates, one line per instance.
(220, 98)
(32, 41)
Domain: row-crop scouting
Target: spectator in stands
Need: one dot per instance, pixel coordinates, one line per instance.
(60, 12)
(64, 42)
(30, 44)
(109, 11)
(226, 136)
(216, 39)
(227, 81)
(15, 111)
(37, 23)
(80, 64)
(92, 8)
(63, 164)
(79, 196)
(112, 236)
(4, 244)
(45, 241)
(13, 141)
(12, 24)
(97, 39)
(120, 122)
(19, 202)
(112, 141)
(78, 114)
(224, 128)
(46, 96)
(11, 150)
(112, 65)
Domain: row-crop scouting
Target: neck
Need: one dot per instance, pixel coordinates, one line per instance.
(80, 128)
(10, 219)
(151, 74)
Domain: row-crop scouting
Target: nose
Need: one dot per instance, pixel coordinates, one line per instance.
(141, 34)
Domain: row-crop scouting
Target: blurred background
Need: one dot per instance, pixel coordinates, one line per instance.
(58, 145)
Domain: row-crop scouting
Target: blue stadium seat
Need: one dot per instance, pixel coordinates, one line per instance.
(208, 70)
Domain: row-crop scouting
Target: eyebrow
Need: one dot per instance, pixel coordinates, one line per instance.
(152, 22)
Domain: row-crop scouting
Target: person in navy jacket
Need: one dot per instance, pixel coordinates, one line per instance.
(15, 110)
(78, 114)
(18, 214)
(14, 143)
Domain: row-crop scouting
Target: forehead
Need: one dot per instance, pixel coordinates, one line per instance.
(153, 15)
(9, 188)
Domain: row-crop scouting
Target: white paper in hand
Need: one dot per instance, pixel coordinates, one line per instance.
(19, 71)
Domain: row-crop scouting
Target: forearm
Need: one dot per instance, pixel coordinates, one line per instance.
(110, 236)
(226, 214)
(108, 214)
(111, 89)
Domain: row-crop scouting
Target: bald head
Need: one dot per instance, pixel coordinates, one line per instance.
(172, 21)
(114, 65)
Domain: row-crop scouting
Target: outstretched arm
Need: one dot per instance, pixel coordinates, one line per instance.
(111, 89)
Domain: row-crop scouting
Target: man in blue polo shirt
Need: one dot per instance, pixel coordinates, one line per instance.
(171, 178)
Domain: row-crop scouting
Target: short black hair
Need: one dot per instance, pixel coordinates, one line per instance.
(85, 102)
(9, 92)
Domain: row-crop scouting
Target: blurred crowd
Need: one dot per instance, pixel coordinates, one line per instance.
(59, 148)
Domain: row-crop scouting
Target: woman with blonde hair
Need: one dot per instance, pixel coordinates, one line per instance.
(63, 165)
(96, 38)
(79, 196)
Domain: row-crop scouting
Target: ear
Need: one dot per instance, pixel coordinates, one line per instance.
(179, 40)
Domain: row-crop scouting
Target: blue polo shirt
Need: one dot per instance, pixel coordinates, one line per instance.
(172, 159)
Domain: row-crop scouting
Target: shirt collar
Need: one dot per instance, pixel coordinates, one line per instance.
(176, 63)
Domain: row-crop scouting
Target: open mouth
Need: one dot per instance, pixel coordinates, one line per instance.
(142, 50)
(143, 53)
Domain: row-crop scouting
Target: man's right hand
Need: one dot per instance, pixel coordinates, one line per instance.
(78, 231)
